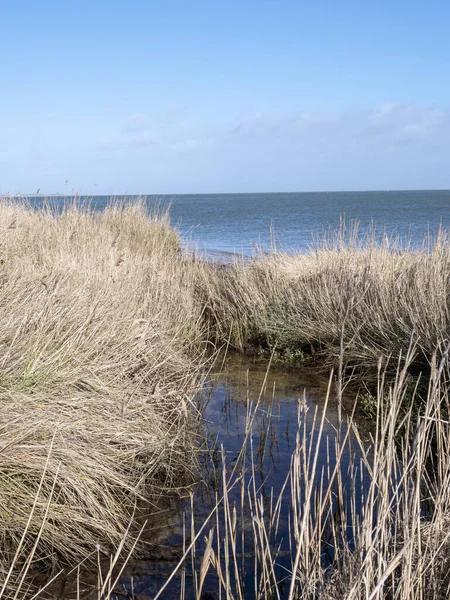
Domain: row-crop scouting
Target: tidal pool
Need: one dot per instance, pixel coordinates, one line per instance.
(284, 408)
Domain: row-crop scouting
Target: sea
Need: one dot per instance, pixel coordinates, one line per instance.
(221, 225)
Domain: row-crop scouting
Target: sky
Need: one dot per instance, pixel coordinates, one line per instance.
(173, 97)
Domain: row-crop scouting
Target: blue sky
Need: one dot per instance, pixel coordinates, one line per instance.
(273, 95)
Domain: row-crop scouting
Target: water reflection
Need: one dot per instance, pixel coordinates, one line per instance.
(240, 392)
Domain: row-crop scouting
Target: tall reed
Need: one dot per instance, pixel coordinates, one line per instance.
(373, 528)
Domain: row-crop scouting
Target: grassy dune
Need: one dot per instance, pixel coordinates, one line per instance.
(100, 357)
(362, 301)
(103, 330)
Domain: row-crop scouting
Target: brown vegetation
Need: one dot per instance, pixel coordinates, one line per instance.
(360, 298)
(103, 332)
(100, 357)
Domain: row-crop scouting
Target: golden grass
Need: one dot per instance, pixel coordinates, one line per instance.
(366, 299)
(100, 357)
(102, 337)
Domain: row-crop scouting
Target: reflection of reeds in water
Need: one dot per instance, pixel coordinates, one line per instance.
(371, 522)
(373, 528)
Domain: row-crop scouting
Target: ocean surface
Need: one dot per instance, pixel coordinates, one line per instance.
(245, 223)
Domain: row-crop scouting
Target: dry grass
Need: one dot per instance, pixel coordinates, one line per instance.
(364, 298)
(376, 528)
(101, 351)
(100, 357)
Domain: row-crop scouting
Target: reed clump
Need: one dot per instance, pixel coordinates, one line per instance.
(352, 297)
(100, 357)
(369, 523)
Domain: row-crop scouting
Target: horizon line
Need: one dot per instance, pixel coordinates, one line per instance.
(151, 194)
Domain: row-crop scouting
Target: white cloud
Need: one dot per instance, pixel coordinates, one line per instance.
(390, 125)
(397, 122)
(391, 146)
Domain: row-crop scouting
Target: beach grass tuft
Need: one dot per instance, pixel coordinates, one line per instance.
(101, 355)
